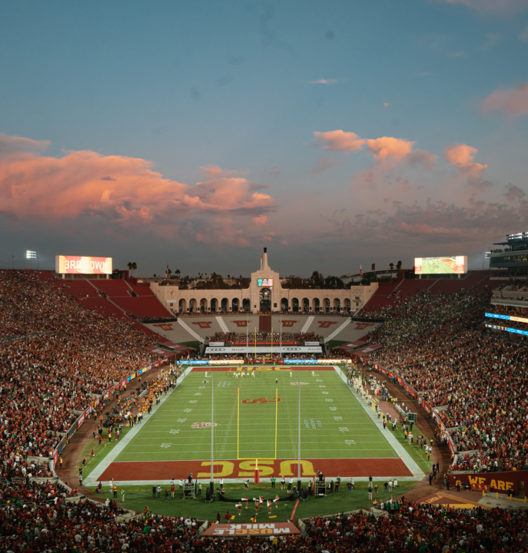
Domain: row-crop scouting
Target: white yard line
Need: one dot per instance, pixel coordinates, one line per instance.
(91, 479)
(417, 472)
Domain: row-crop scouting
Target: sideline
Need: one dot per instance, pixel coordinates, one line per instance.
(92, 478)
(387, 434)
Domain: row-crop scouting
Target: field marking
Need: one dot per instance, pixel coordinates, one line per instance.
(387, 434)
(359, 429)
(108, 459)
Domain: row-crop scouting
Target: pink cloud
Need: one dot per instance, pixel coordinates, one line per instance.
(505, 7)
(513, 102)
(261, 220)
(461, 156)
(422, 157)
(122, 189)
(19, 145)
(388, 146)
(340, 141)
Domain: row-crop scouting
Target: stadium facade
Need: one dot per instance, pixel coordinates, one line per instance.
(264, 295)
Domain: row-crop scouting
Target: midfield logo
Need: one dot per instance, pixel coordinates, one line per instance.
(260, 400)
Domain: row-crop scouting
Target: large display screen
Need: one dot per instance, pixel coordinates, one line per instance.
(440, 265)
(265, 282)
(83, 265)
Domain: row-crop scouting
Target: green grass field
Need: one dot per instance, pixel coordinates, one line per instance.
(251, 424)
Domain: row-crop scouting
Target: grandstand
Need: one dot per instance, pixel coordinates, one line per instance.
(69, 346)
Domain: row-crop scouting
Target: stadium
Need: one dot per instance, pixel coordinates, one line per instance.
(163, 415)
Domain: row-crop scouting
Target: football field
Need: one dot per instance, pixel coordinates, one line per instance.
(226, 422)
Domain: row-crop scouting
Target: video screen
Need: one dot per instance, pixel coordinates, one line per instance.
(83, 265)
(440, 265)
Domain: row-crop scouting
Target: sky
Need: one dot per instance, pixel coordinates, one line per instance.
(194, 133)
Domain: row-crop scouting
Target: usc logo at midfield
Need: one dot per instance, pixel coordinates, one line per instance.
(260, 400)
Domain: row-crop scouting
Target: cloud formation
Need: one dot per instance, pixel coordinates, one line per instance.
(504, 7)
(325, 81)
(382, 147)
(462, 157)
(340, 141)
(388, 146)
(121, 189)
(512, 103)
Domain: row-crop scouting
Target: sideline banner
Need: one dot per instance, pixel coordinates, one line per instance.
(501, 482)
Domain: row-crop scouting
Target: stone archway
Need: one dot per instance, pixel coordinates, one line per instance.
(224, 305)
(235, 305)
(284, 305)
(265, 300)
(203, 305)
(182, 306)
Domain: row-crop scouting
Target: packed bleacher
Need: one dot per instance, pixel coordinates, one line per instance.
(55, 357)
(39, 517)
(477, 379)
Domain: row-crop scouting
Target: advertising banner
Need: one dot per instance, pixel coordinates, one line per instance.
(82, 265)
(255, 529)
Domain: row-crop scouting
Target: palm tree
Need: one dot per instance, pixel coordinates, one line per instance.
(132, 266)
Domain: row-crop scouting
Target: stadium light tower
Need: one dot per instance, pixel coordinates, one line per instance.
(32, 254)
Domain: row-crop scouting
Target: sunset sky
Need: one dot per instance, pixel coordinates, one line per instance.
(194, 133)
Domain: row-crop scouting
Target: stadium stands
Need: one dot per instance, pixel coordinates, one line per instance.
(55, 355)
(142, 307)
(473, 377)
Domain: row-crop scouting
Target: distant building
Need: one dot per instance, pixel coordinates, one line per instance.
(512, 254)
(264, 295)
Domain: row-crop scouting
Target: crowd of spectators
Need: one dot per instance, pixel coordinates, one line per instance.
(476, 378)
(44, 517)
(56, 358)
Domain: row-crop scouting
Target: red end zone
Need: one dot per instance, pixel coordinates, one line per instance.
(165, 470)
